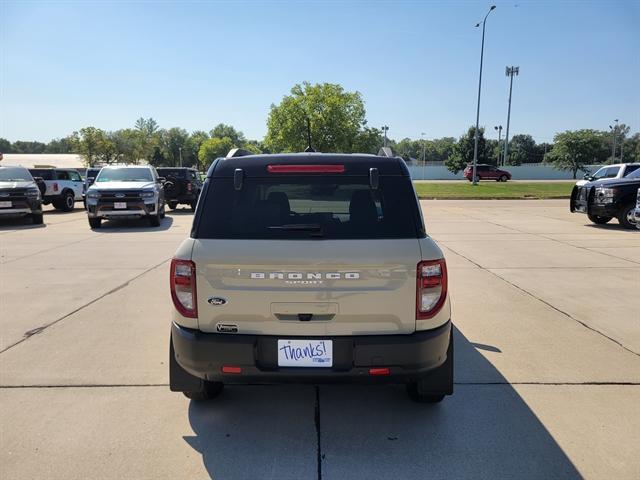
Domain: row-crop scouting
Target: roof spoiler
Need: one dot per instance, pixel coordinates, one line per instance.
(238, 152)
(385, 152)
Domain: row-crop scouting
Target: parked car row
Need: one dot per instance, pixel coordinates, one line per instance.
(106, 192)
(604, 198)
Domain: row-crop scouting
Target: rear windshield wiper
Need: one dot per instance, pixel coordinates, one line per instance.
(303, 227)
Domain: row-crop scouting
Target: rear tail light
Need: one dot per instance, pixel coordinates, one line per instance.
(305, 168)
(431, 290)
(55, 186)
(183, 287)
(189, 187)
(379, 371)
(231, 369)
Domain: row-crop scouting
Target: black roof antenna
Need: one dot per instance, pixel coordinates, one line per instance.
(309, 147)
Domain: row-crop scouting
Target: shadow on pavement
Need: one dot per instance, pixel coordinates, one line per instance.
(485, 430)
(133, 225)
(22, 223)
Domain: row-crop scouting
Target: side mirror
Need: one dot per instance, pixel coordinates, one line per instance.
(161, 179)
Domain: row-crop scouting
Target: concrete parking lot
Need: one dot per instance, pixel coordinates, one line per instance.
(547, 314)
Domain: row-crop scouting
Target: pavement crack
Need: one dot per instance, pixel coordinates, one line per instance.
(319, 455)
(42, 328)
(550, 305)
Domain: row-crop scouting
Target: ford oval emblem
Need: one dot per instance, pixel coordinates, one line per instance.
(119, 195)
(217, 301)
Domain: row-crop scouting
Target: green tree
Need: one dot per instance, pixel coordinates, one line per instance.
(93, 145)
(336, 118)
(5, 146)
(462, 152)
(368, 140)
(59, 145)
(522, 149)
(222, 130)
(630, 150)
(214, 148)
(572, 150)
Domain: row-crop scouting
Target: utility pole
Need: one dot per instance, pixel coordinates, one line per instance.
(385, 128)
(499, 129)
(509, 72)
(614, 131)
(180, 150)
(477, 136)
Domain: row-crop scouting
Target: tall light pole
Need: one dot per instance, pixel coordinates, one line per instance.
(509, 72)
(475, 144)
(499, 129)
(385, 128)
(424, 155)
(614, 131)
(180, 150)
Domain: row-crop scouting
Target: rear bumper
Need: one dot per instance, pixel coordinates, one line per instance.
(408, 357)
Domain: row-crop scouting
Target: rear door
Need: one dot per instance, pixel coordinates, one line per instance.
(307, 255)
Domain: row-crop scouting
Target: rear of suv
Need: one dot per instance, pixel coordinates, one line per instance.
(310, 268)
(64, 187)
(181, 186)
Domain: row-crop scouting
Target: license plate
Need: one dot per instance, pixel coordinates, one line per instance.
(120, 205)
(305, 353)
(5, 204)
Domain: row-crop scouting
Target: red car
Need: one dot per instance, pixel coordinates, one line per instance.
(486, 172)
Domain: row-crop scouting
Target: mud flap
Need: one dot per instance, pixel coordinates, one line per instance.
(440, 380)
(179, 379)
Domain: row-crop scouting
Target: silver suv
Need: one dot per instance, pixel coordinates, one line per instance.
(126, 191)
(309, 268)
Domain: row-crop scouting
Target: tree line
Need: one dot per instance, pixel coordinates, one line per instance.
(332, 120)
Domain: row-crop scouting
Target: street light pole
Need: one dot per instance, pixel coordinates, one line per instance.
(509, 72)
(614, 131)
(499, 129)
(180, 150)
(424, 156)
(475, 143)
(384, 129)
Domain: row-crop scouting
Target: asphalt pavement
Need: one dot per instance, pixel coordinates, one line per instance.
(547, 341)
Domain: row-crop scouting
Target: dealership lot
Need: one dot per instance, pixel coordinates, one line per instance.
(547, 313)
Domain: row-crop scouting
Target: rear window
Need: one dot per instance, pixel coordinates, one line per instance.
(301, 207)
(45, 173)
(171, 172)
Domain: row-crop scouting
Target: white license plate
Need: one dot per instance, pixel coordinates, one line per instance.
(120, 205)
(305, 353)
(5, 204)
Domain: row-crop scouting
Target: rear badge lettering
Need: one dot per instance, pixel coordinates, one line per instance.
(305, 278)
(226, 328)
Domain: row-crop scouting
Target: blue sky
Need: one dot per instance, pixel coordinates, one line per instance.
(65, 65)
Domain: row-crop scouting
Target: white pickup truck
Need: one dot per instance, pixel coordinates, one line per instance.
(310, 268)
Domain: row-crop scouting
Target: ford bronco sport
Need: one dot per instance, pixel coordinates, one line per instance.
(309, 268)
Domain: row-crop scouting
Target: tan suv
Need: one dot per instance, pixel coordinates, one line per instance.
(310, 268)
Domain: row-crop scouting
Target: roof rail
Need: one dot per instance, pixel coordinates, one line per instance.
(385, 152)
(238, 152)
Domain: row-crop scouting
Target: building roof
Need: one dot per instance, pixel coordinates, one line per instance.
(32, 160)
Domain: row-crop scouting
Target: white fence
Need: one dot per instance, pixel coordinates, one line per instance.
(534, 171)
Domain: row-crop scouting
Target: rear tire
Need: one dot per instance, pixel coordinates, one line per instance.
(503, 178)
(599, 220)
(626, 217)
(95, 222)
(37, 218)
(210, 390)
(67, 203)
(433, 387)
